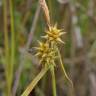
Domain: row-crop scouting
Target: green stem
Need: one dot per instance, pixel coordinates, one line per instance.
(53, 81)
(12, 41)
(63, 68)
(7, 57)
(34, 82)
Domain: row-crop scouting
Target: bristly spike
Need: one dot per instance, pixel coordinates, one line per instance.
(55, 26)
(53, 34)
(40, 43)
(37, 54)
(43, 55)
(62, 33)
(60, 40)
(46, 36)
(37, 48)
(49, 28)
(48, 32)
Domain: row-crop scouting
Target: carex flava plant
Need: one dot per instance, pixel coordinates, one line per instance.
(48, 52)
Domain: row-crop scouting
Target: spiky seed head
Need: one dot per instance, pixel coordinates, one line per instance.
(45, 54)
(54, 34)
(42, 49)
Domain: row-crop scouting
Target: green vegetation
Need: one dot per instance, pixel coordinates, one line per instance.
(37, 58)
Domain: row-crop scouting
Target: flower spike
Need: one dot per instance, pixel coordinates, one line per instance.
(53, 34)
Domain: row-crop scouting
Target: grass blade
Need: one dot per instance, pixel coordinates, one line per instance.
(34, 82)
(63, 68)
(12, 41)
(53, 81)
(6, 45)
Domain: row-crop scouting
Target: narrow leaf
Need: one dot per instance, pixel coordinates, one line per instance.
(53, 81)
(63, 68)
(34, 82)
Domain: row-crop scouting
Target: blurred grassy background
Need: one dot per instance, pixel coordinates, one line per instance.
(78, 19)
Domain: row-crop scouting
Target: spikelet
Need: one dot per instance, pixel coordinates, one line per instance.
(53, 34)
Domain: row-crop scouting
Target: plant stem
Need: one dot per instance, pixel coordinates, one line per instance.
(7, 57)
(63, 68)
(53, 81)
(34, 82)
(12, 42)
(50, 8)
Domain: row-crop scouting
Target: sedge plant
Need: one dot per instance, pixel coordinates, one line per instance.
(9, 51)
(48, 52)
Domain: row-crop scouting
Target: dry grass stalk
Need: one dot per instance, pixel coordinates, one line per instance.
(45, 10)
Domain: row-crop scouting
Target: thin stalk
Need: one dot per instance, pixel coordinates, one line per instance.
(63, 68)
(34, 82)
(53, 81)
(51, 9)
(7, 62)
(12, 40)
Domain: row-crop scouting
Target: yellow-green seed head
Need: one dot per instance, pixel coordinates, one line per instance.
(54, 34)
(45, 54)
(42, 49)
